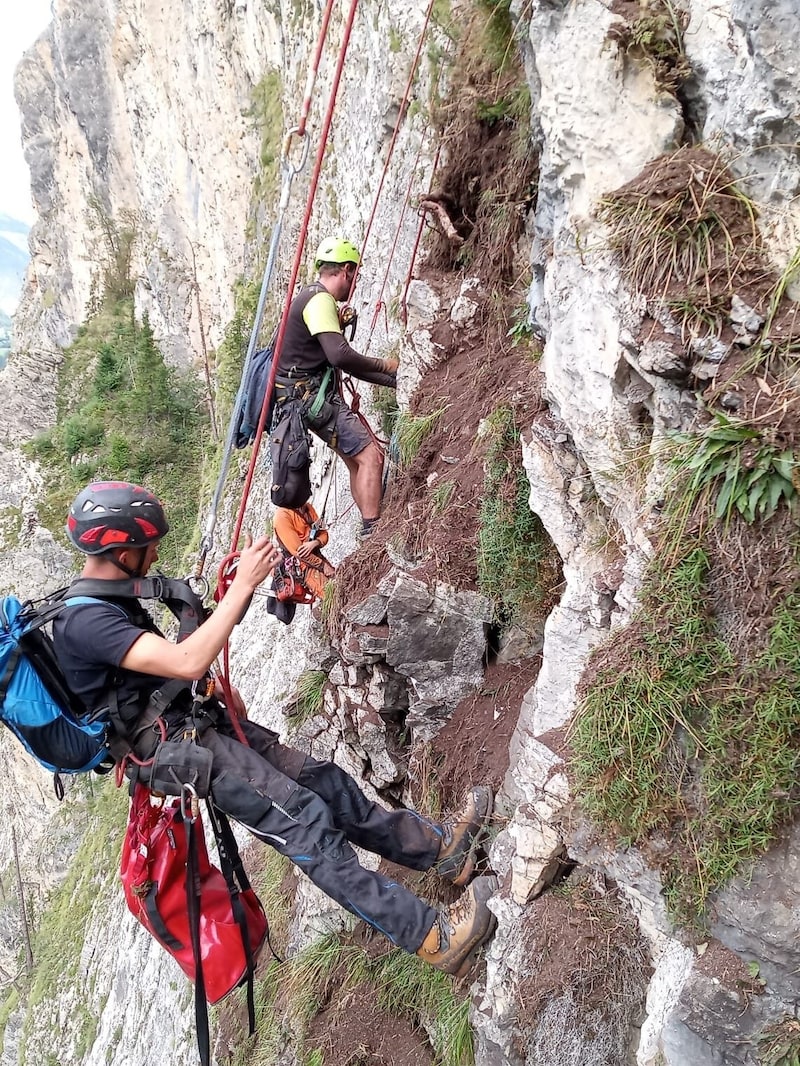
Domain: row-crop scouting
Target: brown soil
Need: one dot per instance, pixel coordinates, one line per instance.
(490, 180)
(585, 942)
(479, 373)
(353, 1030)
(473, 748)
(728, 968)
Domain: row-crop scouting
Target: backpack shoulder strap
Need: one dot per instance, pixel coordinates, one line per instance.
(177, 596)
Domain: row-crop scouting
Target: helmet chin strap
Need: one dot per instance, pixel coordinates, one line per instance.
(130, 571)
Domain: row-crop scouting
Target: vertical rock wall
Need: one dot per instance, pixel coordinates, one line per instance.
(599, 117)
(143, 112)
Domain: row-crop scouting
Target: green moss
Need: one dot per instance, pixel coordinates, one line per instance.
(514, 552)
(677, 735)
(266, 113)
(7, 1008)
(10, 526)
(498, 33)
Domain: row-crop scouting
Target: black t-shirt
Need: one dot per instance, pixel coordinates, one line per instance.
(90, 641)
(314, 340)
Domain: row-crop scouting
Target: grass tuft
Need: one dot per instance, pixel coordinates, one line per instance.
(441, 495)
(780, 1044)
(686, 237)
(307, 699)
(289, 997)
(411, 430)
(677, 736)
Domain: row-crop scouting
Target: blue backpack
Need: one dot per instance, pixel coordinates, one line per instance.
(35, 701)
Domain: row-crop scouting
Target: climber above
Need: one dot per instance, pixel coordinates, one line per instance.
(310, 811)
(314, 342)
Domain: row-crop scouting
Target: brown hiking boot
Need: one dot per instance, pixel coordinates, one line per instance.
(460, 835)
(461, 929)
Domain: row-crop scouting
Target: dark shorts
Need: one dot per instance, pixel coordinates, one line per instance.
(344, 429)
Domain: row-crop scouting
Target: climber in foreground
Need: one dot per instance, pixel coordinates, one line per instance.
(314, 342)
(312, 812)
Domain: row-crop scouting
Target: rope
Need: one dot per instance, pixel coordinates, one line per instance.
(321, 511)
(415, 249)
(290, 171)
(400, 117)
(295, 271)
(381, 304)
(207, 542)
(312, 74)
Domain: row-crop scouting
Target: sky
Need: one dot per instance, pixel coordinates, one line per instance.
(19, 32)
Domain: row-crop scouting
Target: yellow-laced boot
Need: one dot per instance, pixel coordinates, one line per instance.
(460, 929)
(461, 834)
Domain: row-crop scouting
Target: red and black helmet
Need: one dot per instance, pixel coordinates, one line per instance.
(115, 514)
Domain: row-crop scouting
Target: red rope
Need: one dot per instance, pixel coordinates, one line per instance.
(237, 532)
(380, 304)
(312, 74)
(400, 117)
(298, 258)
(415, 249)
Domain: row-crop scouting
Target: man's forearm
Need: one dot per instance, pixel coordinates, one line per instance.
(340, 355)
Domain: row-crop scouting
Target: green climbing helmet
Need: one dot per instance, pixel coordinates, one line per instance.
(335, 250)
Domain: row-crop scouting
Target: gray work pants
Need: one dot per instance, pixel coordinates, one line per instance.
(312, 812)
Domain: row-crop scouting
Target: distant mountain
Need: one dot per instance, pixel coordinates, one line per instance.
(13, 225)
(13, 261)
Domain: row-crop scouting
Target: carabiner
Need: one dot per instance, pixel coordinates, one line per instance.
(190, 803)
(292, 168)
(202, 689)
(199, 585)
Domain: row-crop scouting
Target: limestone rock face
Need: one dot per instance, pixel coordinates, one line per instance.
(599, 118)
(151, 117)
(144, 114)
